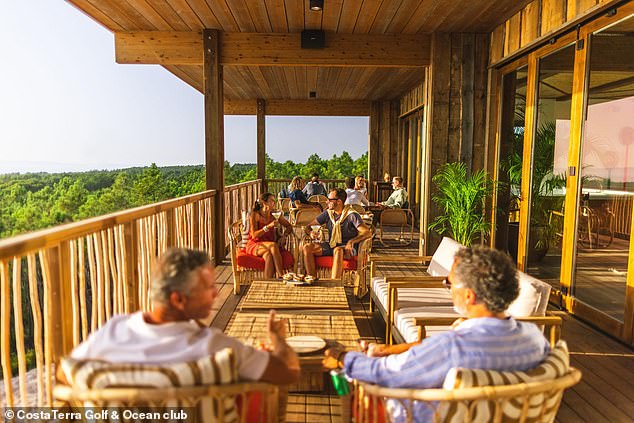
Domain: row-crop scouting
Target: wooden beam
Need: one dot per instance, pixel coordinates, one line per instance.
(300, 107)
(275, 49)
(261, 148)
(214, 135)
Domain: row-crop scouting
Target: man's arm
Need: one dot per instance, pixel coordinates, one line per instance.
(283, 367)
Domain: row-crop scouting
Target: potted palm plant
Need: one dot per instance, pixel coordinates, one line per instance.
(461, 198)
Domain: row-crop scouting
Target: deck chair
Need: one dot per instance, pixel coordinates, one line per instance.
(425, 289)
(207, 389)
(400, 218)
(321, 199)
(468, 396)
(246, 267)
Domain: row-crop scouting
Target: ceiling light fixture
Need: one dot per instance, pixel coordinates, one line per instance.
(316, 5)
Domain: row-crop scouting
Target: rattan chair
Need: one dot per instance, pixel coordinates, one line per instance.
(321, 199)
(523, 402)
(247, 268)
(354, 270)
(200, 403)
(284, 204)
(400, 218)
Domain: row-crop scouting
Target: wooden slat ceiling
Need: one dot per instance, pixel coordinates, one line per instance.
(283, 16)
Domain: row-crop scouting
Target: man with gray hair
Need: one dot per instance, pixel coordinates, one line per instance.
(183, 289)
(483, 284)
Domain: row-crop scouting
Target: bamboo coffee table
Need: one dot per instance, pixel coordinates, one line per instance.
(320, 309)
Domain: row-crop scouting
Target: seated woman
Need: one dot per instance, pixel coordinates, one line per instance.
(360, 185)
(262, 230)
(297, 196)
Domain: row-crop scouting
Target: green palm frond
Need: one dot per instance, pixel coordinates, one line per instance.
(461, 199)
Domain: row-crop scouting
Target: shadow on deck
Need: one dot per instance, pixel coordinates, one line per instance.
(603, 395)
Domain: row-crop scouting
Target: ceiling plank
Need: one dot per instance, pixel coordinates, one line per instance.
(331, 15)
(300, 107)
(204, 14)
(367, 16)
(255, 49)
(99, 16)
(276, 13)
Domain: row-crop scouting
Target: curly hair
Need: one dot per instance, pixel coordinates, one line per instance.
(296, 183)
(173, 273)
(490, 274)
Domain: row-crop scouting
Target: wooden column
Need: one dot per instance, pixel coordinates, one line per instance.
(373, 149)
(214, 135)
(261, 149)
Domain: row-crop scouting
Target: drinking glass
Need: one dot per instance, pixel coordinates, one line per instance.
(317, 231)
(276, 214)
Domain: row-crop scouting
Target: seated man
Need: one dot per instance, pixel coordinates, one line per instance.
(354, 196)
(345, 228)
(398, 198)
(483, 284)
(183, 289)
(314, 186)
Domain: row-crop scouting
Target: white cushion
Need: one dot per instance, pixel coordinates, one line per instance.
(405, 320)
(411, 297)
(442, 260)
(532, 299)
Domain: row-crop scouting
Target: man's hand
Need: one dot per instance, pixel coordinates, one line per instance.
(374, 350)
(277, 329)
(333, 358)
(349, 248)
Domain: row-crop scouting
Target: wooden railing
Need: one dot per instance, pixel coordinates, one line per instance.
(60, 284)
(275, 185)
(239, 197)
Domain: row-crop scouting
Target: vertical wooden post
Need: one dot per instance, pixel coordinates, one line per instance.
(373, 149)
(261, 149)
(131, 240)
(61, 307)
(214, 134)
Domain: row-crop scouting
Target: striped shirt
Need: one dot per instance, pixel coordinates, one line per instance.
(482, 343)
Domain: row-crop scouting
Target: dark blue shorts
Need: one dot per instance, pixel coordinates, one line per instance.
(327, 250)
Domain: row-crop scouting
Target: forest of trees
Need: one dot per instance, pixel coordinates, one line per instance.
(34, 201)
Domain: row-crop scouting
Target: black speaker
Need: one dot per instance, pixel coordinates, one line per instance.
(313, 39)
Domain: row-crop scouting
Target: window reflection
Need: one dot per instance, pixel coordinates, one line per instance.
(607, 172)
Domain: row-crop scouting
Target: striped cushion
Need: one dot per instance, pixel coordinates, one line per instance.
(556, 365)
(405, 319)
(442, 260)
(215, 369)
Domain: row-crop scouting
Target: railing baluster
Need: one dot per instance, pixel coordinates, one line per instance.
(82, 289)
(73, 290)
(18, 324)
(107, 292)
(5, 320)
(93, 283)
(48, 324)
(37, 325)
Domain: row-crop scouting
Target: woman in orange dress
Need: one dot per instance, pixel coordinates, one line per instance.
(262, 230)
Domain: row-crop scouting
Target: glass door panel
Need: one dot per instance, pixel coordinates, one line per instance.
(607, 173)
(549, 162)
(513, 98)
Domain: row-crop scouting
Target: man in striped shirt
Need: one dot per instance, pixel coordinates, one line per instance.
(483, 284)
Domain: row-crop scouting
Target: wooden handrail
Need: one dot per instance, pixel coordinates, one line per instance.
(44, 238)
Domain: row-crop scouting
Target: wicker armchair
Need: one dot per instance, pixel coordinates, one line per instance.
(204, 402)
(521, 402)
(354, 270)
(247, 268)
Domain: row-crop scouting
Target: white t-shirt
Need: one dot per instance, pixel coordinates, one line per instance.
(130, 339)
(356, 197)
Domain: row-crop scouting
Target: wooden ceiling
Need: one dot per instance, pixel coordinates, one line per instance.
(367, 82)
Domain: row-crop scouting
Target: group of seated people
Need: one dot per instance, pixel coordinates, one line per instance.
(344, 225)
(483, 282)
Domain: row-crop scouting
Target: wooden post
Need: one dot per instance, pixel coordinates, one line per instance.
(214, 135)
(261, 149)
(131, 240)
(373, 149)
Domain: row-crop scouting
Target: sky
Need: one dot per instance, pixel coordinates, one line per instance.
(65, 105)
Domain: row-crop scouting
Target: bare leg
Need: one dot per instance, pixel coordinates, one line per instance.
(274, 249)
(310, 251)
(337, 263)
(269, 265)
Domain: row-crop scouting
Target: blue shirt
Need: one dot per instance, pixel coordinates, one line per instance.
(297, 195)
(483, 343)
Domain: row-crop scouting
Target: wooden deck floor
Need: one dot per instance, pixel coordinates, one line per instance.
(603, 395)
